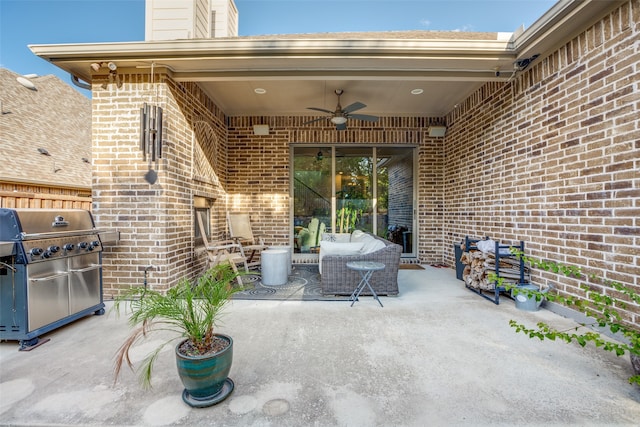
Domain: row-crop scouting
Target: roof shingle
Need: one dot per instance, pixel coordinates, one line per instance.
(54, 117)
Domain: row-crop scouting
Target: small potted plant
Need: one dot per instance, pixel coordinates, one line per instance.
(602, 310)
(191, 310)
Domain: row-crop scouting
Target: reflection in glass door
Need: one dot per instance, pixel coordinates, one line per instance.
(354, 189)
(343, 188)
(312, 190)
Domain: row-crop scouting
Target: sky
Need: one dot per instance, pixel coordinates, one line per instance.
(24, 22)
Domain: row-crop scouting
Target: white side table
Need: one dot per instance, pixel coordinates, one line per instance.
(284, 248)
(275, 268)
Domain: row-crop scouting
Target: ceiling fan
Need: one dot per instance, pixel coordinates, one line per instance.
(340, 116)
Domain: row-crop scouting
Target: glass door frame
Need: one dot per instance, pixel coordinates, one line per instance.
(374, 156)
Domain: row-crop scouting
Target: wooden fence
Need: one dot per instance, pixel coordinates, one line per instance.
(16, 195)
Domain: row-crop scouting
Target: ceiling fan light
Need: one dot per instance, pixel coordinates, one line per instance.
(338, 120)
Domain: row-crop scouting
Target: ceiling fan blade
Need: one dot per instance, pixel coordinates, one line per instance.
(320, 109)
(341, 126)
(315, 120)
(353, 107)
(364, 117)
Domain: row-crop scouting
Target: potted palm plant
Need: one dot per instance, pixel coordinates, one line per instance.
(191, 310)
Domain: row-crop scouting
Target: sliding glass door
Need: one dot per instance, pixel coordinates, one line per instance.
(342, 188)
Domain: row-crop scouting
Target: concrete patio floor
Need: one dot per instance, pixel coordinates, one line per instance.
(436, 355)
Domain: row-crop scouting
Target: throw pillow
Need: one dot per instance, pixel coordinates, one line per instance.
(358, 235)
(373, 245)
(336, 237)
(335, 248)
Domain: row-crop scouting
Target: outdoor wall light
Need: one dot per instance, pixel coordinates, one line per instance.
(261, 129)
(437, 131)
(96, 66)
(112, 66)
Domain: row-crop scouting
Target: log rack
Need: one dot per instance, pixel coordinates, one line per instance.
(502, 252)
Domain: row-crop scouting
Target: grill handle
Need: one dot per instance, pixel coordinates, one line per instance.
(54, 234)
(42, 279)
(82, 270)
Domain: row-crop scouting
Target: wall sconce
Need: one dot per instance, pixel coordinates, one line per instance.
(319, 156)
(437, 131)
(261, 129)
(151, 131)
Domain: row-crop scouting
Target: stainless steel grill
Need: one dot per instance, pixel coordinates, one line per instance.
(50, 271)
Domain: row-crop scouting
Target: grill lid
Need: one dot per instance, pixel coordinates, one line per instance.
(23, 224)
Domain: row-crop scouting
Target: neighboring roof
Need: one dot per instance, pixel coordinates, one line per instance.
(53, 117)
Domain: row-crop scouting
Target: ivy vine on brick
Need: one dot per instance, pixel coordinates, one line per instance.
(601, 309)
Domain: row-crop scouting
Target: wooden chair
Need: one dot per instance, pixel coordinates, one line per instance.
(240, 232)
(224, 251)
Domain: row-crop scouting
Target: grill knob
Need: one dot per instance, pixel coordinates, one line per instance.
(54, 249)
(83, 245)
(95, 243)
(46, 254)
(68, 246)
(36, 251)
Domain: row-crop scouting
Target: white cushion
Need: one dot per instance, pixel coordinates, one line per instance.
(372, 245)
(359, 236)
(335, 248)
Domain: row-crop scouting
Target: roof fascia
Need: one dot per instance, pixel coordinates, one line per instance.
(561, 23)
(273, 56)
(236, 47)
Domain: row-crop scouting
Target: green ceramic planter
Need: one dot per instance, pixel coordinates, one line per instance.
(206, 378)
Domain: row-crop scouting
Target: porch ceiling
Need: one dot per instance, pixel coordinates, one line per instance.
(300, 71)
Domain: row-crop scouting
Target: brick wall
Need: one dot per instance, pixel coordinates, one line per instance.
(553, 157)
(156, 221)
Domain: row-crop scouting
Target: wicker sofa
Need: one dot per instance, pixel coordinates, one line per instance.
(337, 279)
